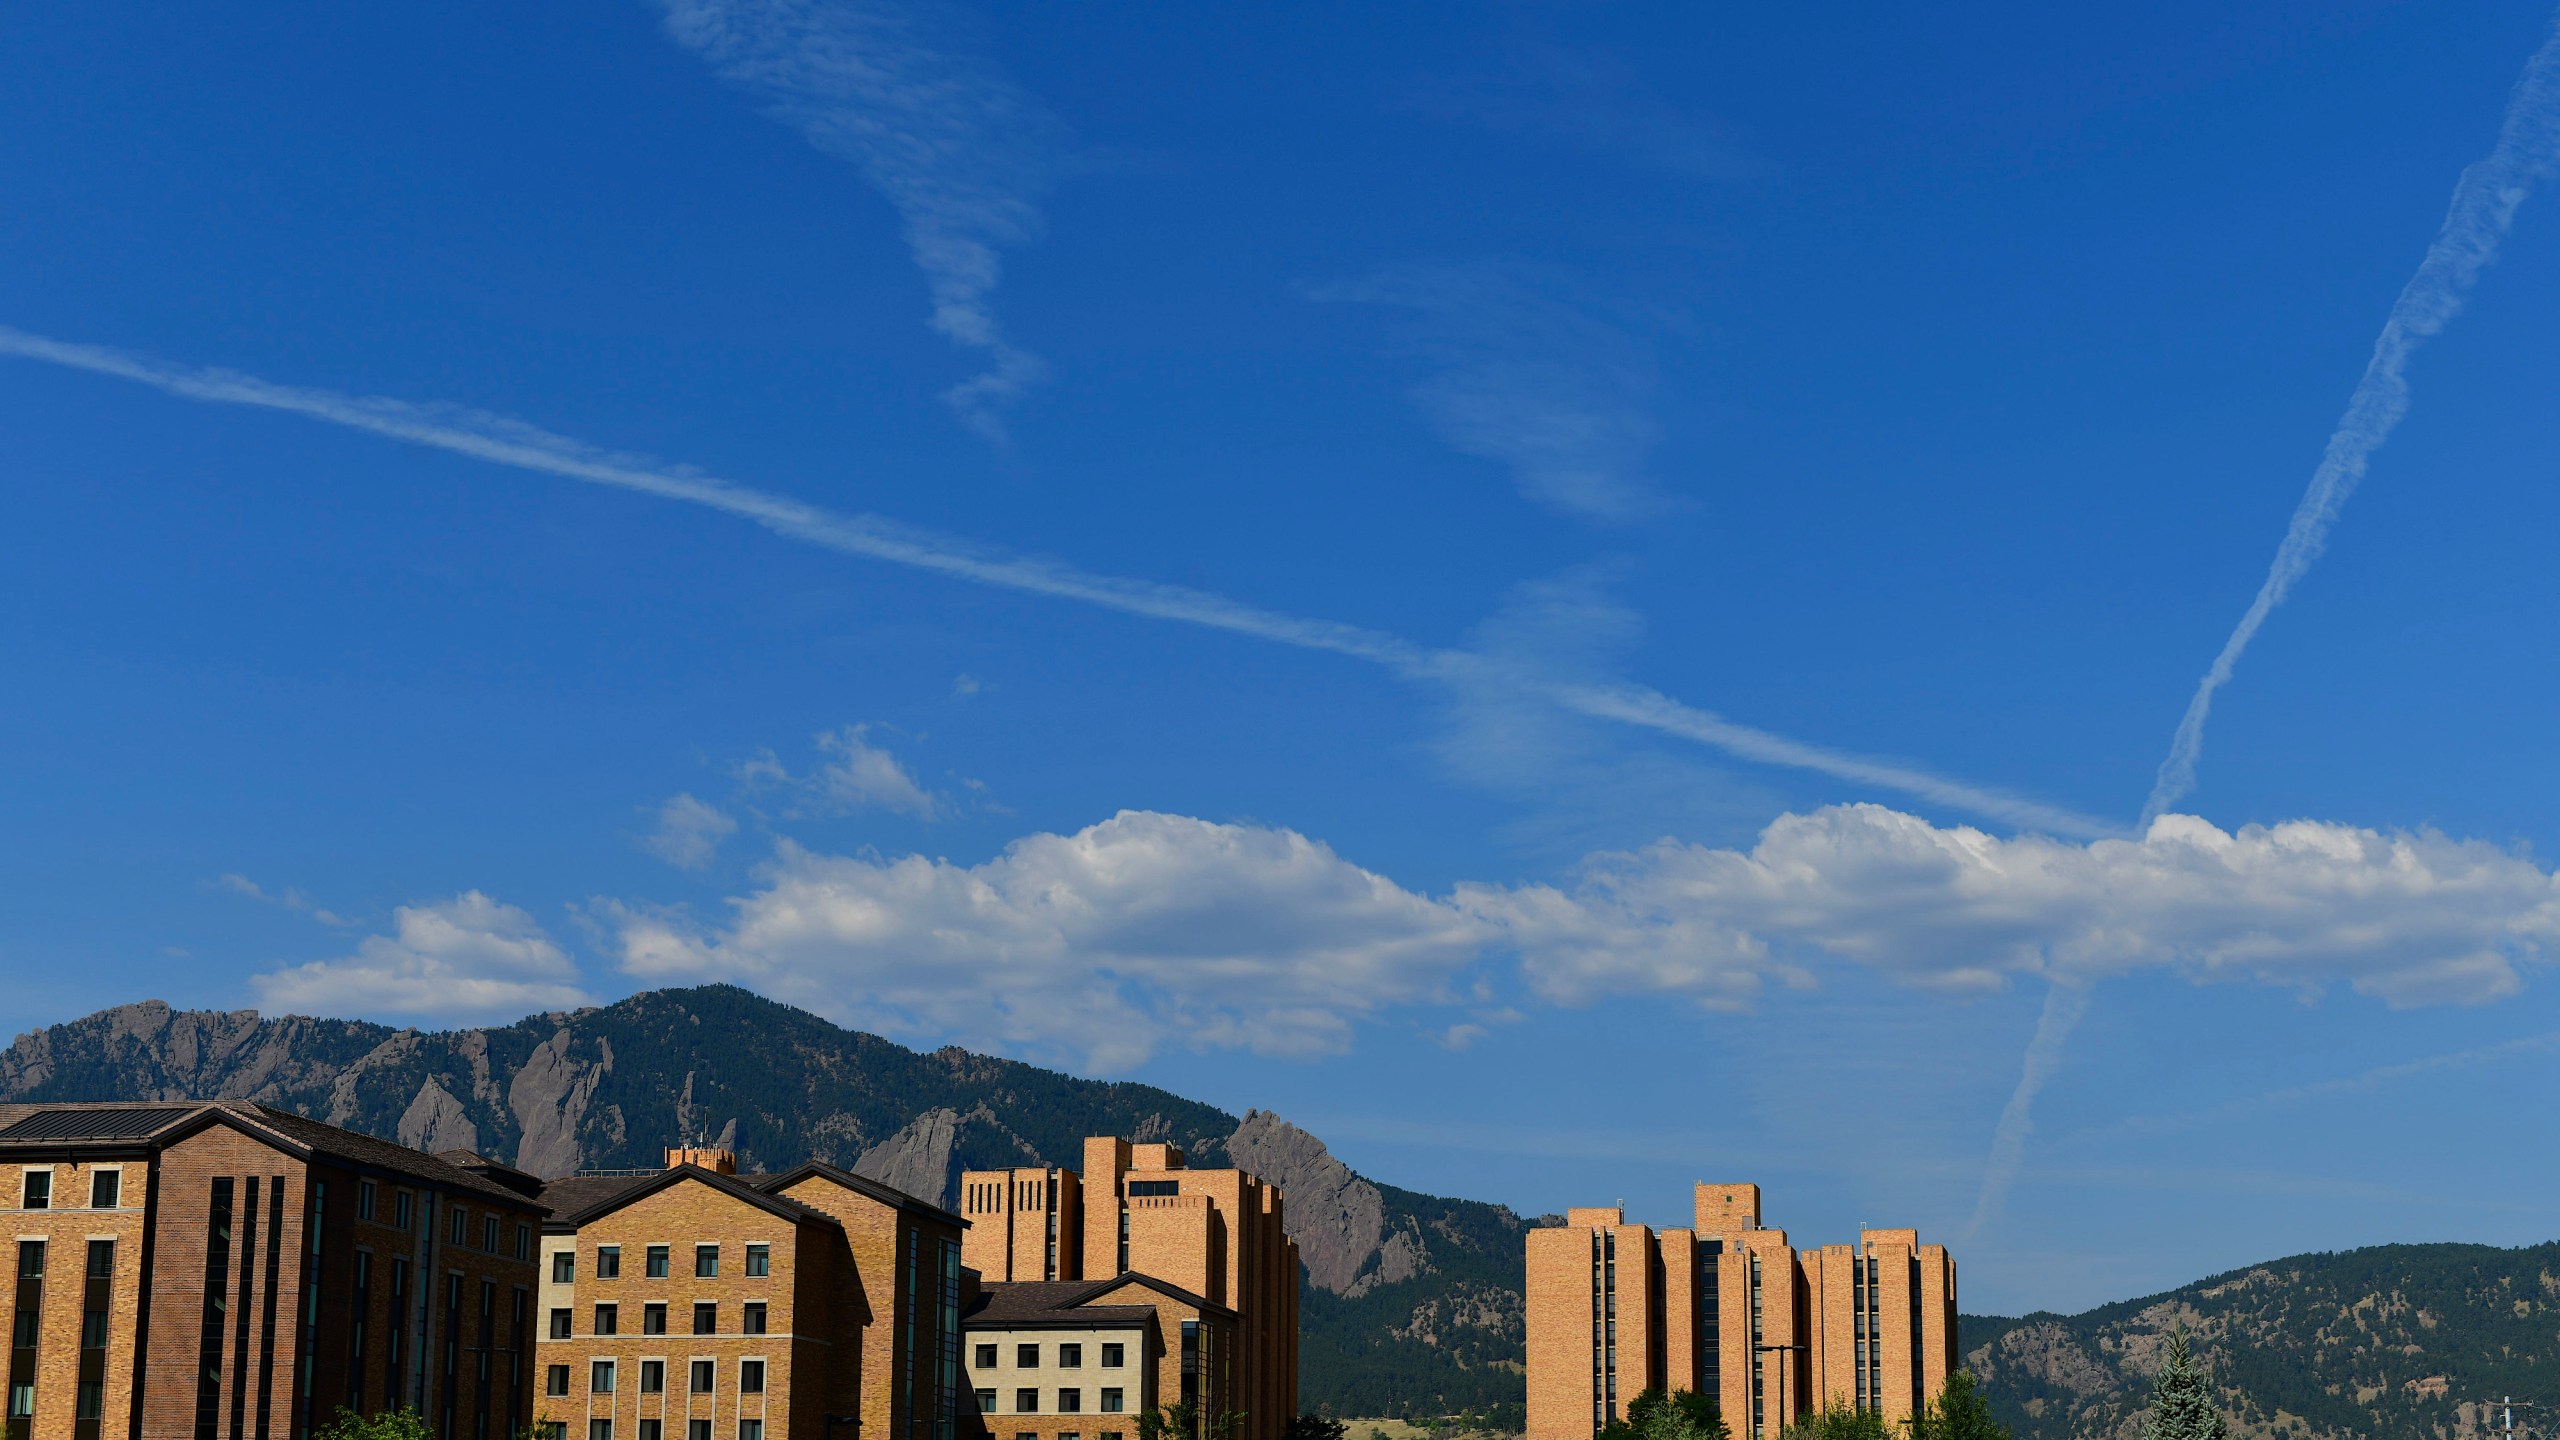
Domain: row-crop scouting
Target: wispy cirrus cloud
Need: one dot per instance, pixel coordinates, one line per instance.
(1529, 376)
(960, 150)
(503, 441)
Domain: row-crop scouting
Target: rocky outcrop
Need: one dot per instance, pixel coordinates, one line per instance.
(435, 1121)
(1338, 1219)
(917, 1159)
(549, 1097)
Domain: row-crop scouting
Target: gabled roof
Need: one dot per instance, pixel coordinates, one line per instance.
(1028, 1304)
(860, 1185)
(144, 1128)
(1165, 1288)
(626, 1189)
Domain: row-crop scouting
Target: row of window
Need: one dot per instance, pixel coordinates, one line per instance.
(653, 1319)
(493, 1233)
(35, 1189)
(1070, 1356)
(701, 1377)
(706, 1262)
(1026, 1401)
(654, 1429)
(89, 1390)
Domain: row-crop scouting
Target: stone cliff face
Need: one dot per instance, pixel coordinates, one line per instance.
(1338, 1219)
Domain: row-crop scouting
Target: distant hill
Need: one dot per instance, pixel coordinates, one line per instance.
(1412, 1303)
(2390, 1341)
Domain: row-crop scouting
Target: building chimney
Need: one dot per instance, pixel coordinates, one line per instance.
(716, 1159)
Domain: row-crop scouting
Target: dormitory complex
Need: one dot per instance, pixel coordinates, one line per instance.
(1733, 1312)
(229, 1271)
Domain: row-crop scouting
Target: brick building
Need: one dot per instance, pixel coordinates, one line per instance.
(1733, 1312)
(1055, 1359)
(694, 1303)
(226, 1271)
(1139, 1211)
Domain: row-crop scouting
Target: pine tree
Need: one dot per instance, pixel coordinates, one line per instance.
(2183, 1408)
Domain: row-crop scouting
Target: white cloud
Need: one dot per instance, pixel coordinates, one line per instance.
(689, 832)
(958, 148)
(2413, 918)
(857, 775)
(469, 957)
(1104, 945)
(288, 898)
(1526, 377)
(1150, 930)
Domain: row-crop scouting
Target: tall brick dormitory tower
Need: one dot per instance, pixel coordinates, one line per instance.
(1137, 1210)
(1735, 1313)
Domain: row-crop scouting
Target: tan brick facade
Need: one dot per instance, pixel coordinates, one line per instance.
(229, 1281)
(1730, 1310)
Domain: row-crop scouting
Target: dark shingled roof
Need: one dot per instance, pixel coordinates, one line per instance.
(571, 1208)
(859, 1184)
(122, 1126)
(574, 1193)
(1019, 1304)
(326, 1139)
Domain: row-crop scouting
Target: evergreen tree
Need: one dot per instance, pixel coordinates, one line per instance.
(1959, 1413)
(2183, 1408)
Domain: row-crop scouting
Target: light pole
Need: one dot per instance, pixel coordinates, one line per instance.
(1759, 1350)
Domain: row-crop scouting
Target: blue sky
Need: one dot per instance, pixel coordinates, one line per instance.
(1574, 598)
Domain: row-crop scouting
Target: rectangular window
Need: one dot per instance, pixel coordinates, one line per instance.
(608, 1262)
(697, 1430)
(106, 1189)
(460, 1231)
(657, 1262)
(706, 1261)
(600, 1428)
(364, 1199)
(555, 1380)
(1070, 1401)
(608, 1319)
(564, 1267)
(600, 1377)
(524, 1242)
(102, 1259)
(560, 1325)
(22, 1401)
(1026, 1402)
(986, 1357)
(651, 1430)
(400, 1203)
(489, 1235)
(750, 1430)
(653, 1319)
(1070, 1357)
(1155, 1187)
(759, 1259)
(701, 1377)
(93, 1330)
(706, 1317)
(751, 1318)
(91, 1401)
(1027, 1356)
(38, 1192)
(986, 1402)
(1112, 1403)
(1113, 1357)
(750, 1377)
(653, 1377)
(30, 1259)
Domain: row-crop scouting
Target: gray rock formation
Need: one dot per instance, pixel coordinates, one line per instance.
(1338, 1219)
(917, 1159)
(436, 1121)
(549, 1098)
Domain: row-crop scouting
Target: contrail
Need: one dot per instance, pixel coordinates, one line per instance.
(501, 441)
(2483, 210)
(2064, 1004)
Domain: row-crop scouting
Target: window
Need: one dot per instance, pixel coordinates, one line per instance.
(608, 1262)
(38, 1195)
(701, 1377)
(697, 1430)
(653, 1319)
(560, 1323)
(30, 1259)
(600, 1377)
(555, 1381)
(600, 1428)
(751, 1318)
(106, 1189)
(608, 1319)
(650, 1430)
(489, 1234)
(986, 1357)
(524, 1242)
(653, 1377)
(750, 1377)
(706, 1318)
(364, 1199)
(759, 1258)
(1113, 1357)
(1027, 1356)
(750, 1430)
(93, 1330)
(1108, 1435)
(22, 1401)
(706, 1261)
(400, 1200)
(1155, 1187)
(90, 1403)
(564, 1267)
(553, 1429)
(1070, 1357)
(1026, 1402)
(986, 1402)
(1070, 1401)
(102, 1259)
(1112, 1403)
(459, 1232)
(657, 1262)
